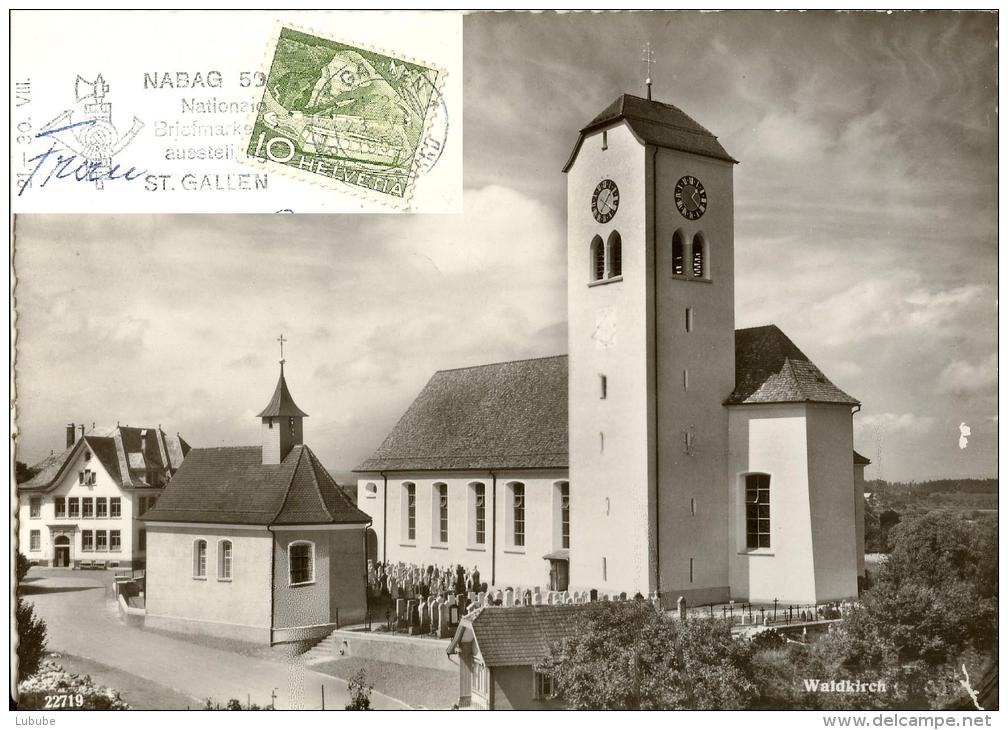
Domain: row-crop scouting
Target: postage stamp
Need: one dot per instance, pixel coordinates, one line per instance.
(349, 116)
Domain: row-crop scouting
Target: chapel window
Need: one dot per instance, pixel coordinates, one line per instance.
(757, 503)
(615, 250)
(678, 254)
(597, 259)
(302, 562)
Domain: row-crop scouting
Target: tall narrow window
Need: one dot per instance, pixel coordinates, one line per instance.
(689, 319)
(691, 570)
(101, 540)
(35, 508)
(615, 246)
(115, 507)
(302, 562)
(603, 387)
(199, 559)
(605, 570)
(59, 504)
(597, 259)
(678, 254)
(685, 379)
(441, 510)
(409, 510)
(101, 507)
(565, 515)
(87, 540)
(224, 560)
(88, 503)
(74, 507)
(518, 507)
(757, 501)
(35, 540)
(115, 541)
(698, 256)
(479, 512)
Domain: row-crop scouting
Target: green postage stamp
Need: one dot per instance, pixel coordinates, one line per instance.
(342, 115)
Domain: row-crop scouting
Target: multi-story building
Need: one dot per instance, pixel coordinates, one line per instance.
(80, 508)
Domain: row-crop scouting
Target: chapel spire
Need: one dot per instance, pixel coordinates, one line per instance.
(282, 420)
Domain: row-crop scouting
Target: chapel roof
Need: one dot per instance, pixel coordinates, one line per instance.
(281, 404)
(657, 123)
(231, 485)
(128, 454)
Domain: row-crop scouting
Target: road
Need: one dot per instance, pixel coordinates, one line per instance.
(83, 620)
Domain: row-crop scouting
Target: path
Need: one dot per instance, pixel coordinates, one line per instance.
(83, 622)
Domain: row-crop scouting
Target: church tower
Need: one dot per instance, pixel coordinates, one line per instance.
(650, 235)
(282, 423)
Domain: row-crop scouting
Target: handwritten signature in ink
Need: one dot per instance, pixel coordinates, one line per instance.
(74, 166)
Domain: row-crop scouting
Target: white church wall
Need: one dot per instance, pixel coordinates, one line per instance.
(612, 472)
(771, 439)
(695, 372)
(833, 507)
(512, 564)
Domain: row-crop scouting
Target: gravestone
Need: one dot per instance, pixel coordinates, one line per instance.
(509, 597)
(593, 595)
(681, 605)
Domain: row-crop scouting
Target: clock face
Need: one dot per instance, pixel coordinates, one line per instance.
(605, 201)
(690, 197)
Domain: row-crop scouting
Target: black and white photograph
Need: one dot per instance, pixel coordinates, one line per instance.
(616, 361)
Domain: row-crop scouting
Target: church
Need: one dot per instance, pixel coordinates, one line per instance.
(667, 453)
(256, 543)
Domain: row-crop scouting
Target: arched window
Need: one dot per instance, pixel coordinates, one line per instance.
(615, 248)
(440, 521)
(757, 511)
(477, 500)
(699, 255)
(301, 562)
(408, 511)
(224, 549)
(199, 559)
(516, 515)
(563, 502)
(370, 490)
(678, 254)
(597, 259)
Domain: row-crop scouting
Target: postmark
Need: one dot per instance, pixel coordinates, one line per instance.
(347, 116)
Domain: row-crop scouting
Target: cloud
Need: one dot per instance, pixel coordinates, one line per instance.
(961, 377)
(894, 424)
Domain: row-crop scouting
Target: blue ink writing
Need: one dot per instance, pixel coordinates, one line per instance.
(85, 171)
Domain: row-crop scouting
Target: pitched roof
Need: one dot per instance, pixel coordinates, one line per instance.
(231, 485)
(859, 459)
(520, 635)
(658, 124)
(509, 414)
(769, 368)
(282, 404)
(126, 453)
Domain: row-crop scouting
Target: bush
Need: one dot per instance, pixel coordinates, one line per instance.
(31, 639)
(360, 692)
(22, 566)
(51, 679)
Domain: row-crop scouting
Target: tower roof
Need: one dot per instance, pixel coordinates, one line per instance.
(657, 123)
(282, 404)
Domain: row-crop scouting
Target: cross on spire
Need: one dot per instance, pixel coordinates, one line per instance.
(648, 58)
(281, 339)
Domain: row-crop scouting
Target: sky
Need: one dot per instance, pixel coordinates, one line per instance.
(865, 228)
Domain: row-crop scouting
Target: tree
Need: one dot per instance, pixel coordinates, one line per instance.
(31, 639)
(360, 692)
(23, 472)
(933, 608)
(630, 655)
(22, 565)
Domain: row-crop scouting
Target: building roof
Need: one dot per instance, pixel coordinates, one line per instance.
(518, 635)
(509, 414)
(128, 453)
(859, 459)
(657, 123)
(769, 368)
(514, 414)
(282, 404)
(231, 485)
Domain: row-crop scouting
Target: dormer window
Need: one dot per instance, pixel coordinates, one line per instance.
(87, 455)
